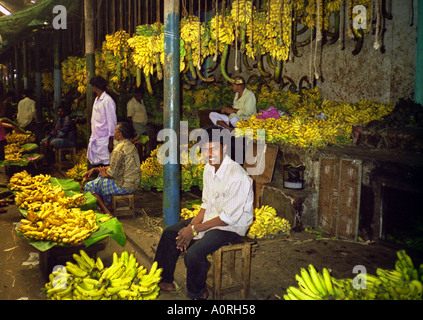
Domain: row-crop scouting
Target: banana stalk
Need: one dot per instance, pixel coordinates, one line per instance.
(260, 68)
(159, 67)
(335, 34)
(191, 63)
(245, 61)
(278, 71)
(148, 82)
(188, 80)
(295, 32)
(19, 129)
(358, 42)
(269, 61)
(203, 78)
(139, 74)
(223, 64)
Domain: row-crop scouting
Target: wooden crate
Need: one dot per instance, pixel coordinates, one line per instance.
(339, 196)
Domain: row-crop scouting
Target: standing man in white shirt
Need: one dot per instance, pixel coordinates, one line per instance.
(103, 124)
(225, 216)
(27, 114)
(244, 106)
(136, 112)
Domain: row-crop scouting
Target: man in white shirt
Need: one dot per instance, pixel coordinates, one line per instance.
(225, 216)
(136, 113)
(103, 124)
(27, 115)
(244, 106)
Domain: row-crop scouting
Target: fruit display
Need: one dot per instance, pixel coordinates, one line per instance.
(403, 283)
(15, 140)
(35, 191)
(54, 222)
(89, 279)
(80, 167)
(152, 173)
(267, 224)
(315, 122)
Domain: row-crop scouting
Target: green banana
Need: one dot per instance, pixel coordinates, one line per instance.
(316, 281)
(81, 262)
(301, 295)
(99, 264)
(327, 278)
(87, 258)
(75, 270)
(306, 276)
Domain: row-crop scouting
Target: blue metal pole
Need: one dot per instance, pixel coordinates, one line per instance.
(171, 171)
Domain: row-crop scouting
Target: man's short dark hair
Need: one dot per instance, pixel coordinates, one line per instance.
(99, 82)
(127, 130)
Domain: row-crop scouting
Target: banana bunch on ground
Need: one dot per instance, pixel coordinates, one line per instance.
(80, 167)
(267, 224)
(403, 283)
(20, 138)
(54, 222)
(187, 213)
(23, 180)
(88, 279)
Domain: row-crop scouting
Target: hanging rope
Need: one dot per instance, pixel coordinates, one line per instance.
(318, 38)
(199, 35)
(184, 8)
(341, 25)
(236, 35)
(378, 6)
(217, 29)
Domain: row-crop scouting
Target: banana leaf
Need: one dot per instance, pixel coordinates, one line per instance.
(26, 158)
(112, 228)
(28, 147)
(66, 184)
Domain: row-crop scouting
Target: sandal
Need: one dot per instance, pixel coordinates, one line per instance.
(204, 296)
(167, 287)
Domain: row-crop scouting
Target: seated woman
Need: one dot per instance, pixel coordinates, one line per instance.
(63, 135)
(122, 176)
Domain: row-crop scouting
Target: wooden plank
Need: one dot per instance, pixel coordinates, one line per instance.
(328, 194)
(349, 199)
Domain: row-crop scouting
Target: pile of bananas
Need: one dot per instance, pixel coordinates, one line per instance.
(267, 224)
(54, 222)
(74, 73)
(35, 191)
(305, 129)
(403, 283)
(88, 279)
(187, 213)
(80, 167)
(13, 151)
(48, 81)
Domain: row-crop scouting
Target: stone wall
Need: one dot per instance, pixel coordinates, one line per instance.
(385, 75)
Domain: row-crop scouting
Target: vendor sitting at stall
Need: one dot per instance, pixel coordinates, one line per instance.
(122, 176)
(244, 106)
(63, 134)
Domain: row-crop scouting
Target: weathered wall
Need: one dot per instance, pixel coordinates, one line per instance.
(384, 76)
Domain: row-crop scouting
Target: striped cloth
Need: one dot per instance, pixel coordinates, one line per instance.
(105, 188)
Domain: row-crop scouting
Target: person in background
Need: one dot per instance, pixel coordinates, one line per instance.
(103, 123)
(244, 106)
(136, 112)
(6, 107)
(225, 215)
(63, 134)
(122, 176)
(27, 115)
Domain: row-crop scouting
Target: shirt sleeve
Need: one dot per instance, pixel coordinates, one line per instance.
(114, 160)
(204, 197)
(233, 205)
(110, 113)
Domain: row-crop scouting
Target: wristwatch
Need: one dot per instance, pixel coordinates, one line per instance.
(195, 233)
